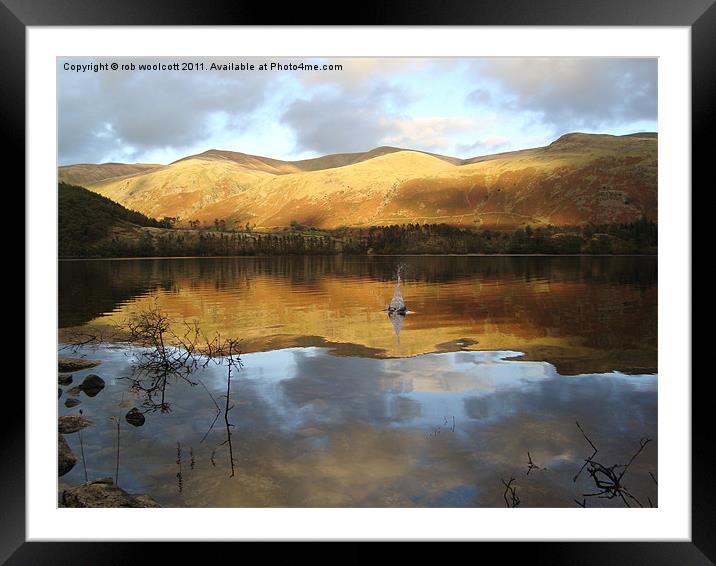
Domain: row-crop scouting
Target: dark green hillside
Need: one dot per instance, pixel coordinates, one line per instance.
(85, 217)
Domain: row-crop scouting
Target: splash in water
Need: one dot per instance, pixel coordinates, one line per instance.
(397, 304)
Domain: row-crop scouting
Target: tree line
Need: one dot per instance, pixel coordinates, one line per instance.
(169, 243)
(638, 237)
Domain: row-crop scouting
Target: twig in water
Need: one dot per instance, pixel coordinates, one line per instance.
(531, 464)
(652, 477)
(116, 471)
(216, 418)
(82, 451)
(608, 479)
(588, 459)
(510, 489)
(233, 359)
(76, 339)
(179, 476)
(446, 422)
(218, 410)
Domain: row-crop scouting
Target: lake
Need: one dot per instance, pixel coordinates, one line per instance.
(338, 404)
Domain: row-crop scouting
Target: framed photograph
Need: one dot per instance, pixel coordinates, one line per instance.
(422, 278)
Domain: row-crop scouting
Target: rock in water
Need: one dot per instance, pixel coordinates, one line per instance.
(92, 385)
(65, 458)
(75, 364)
(104, 493)
(135, 417)
(72, 402)
(72, 423)
(64, 378)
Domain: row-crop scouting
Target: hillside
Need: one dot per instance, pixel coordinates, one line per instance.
(85, 173)
(91, 225)
(579, 178)
(84, 218)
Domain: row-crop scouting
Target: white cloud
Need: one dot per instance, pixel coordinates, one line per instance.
(426, 132)
(568, 94)
(429, 104)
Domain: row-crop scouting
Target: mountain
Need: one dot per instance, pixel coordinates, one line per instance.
(576, 179)
(86, 173)
(278, 167)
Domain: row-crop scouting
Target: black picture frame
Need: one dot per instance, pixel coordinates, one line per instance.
(699, 15)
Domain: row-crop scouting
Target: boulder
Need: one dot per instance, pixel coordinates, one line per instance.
(72, 402)
(75, 364)
(92, 384)
(104, 493)
(64, 378)
(72, 423)
(65, 458)
(135, 417)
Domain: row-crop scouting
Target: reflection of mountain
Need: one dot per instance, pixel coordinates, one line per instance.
(578, 178)
(87, 290)
(582, 313)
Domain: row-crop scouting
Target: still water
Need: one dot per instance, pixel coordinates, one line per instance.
(339, 405)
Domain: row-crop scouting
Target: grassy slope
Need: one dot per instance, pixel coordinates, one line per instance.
(85, 173)
(85, 218)
(578, 178)
(92, 225)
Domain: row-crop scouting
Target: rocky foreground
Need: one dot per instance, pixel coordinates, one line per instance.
(104, 493)
(101, 492)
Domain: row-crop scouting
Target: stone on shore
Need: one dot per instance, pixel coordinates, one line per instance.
(65, 458)
(65, 365)
(72, 423)
(104, 493)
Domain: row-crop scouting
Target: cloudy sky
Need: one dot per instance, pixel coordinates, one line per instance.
(459, 107)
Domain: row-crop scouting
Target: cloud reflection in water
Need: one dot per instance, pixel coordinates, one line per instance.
(315, 429)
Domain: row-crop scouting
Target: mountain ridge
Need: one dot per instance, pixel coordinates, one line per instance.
(577, 178)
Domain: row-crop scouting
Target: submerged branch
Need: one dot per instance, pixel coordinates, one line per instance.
(609, 479)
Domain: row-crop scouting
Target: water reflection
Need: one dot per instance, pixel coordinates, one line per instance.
(315, 429)
(397, 320)
(584, 314)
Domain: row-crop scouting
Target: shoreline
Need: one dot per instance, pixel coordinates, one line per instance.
(344, 255)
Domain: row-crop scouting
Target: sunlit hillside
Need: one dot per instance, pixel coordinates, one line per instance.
(578, 178)
(86, 173)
